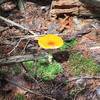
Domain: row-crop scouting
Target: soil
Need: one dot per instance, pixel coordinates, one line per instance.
(37, 19)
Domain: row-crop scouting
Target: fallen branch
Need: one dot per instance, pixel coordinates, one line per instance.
(95, 48)
(84, 77)
(16, 24)
(16, 59)
(67, 36)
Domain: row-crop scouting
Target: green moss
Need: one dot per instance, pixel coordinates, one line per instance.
(50, 71)
(29, 65)
(68, 44)
(43, 70)
(19, 97)
(80, 65)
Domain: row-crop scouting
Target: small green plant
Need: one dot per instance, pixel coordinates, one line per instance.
(50, 71)
(19, 97)
(69, 44)
(43, 69)
(80, 65)
(29, 65)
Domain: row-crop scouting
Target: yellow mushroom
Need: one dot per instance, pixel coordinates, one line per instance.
(50, 41)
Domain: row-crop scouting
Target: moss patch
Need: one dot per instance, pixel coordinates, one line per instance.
(80, 65)
(69, 44)
(43, 70)
(50, 71)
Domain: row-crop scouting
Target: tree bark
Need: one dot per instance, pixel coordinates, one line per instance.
(73, 7)
(95, 3)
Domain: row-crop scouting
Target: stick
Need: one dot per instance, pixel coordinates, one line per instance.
(16, 24)
(15, 47)
(25, 46)
(85, 77)
(94, 48)
(16, 59)
(66, 36)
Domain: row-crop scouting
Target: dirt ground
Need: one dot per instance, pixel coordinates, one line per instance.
(16, 41)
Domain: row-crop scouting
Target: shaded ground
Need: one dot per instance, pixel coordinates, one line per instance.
(64, 87)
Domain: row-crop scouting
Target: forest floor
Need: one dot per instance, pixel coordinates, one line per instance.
(80, 58)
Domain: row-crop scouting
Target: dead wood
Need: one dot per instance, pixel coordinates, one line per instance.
(73, 7)
(16, 59)
(16, 24)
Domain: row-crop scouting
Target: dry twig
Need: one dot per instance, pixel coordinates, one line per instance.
(15, 47)
(16, 24)
(25, 47)
(16, 59)
(84, 77)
